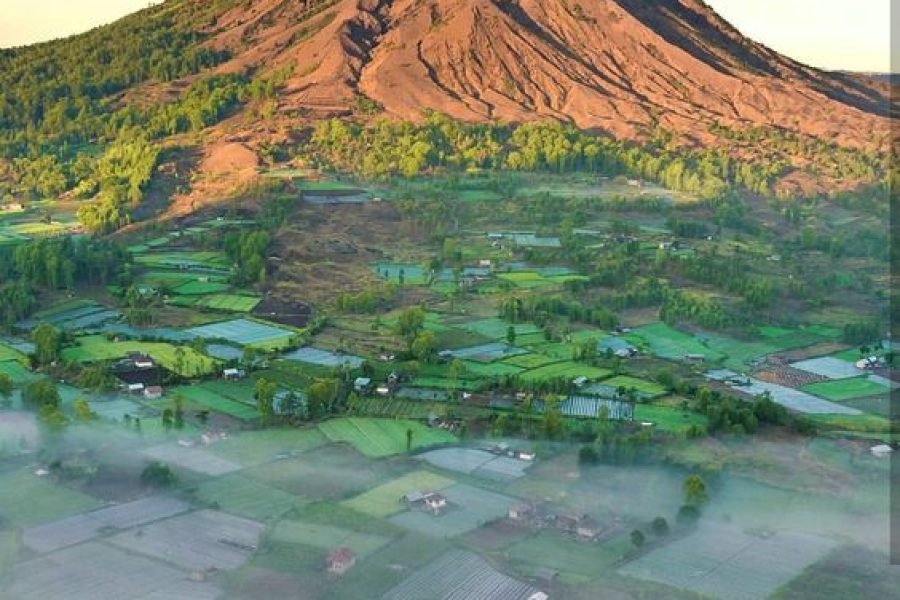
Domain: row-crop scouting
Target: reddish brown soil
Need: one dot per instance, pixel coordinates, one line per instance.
(617, 65)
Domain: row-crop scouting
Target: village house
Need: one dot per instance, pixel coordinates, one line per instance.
(520, 512)
(881, 451)
(340, 560)
(152, 392)
(435, 502)
(362, 385)
(233, 374)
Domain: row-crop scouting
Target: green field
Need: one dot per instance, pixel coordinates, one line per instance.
(7, 353)
(494, 369)
(667, 342)
(575, 561)
(228, 302)
(666, 418)
(246, 497)
(649, 388)
(17, 372)
(96, 348)
(200, 288)
(846, 389)
(328, 537)
(378, 438)
(27, 500)
(566, 369)
(252, 448)
(496, 329)
(217, 402)
(529, 361)
(384, 500)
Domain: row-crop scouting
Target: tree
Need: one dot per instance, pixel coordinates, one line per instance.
(6, 389)
(409, 439)
(40, 394)
(156, 474)
(694, 489)
(410, 322)
(322, 394)
(553, 421)
(424, 345)
(265, 397)
(83, 410)
(47, 343)
(511, 335)
(660, 526)
(688, 514)
(638, 538)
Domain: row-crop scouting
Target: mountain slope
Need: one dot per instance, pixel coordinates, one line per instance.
(620, 66)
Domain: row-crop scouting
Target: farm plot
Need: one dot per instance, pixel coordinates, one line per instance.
(27, 500)
(587, 407)
(496, 329)
(830, 367)
(76, 529)
(488, 352)
(199, 261)
(223, 352)
(847, 389)
(252, 448)
(228, 302)
(115, 409)
(460, 574)
(469, 508)
(324, 358)
(217, 401)
(73, 316)
(192, 459)
(327, 537)
(721, 561)
(11, 354)
(94, 570)
(667, 418)
(385, 500)
(409, 273)
(525, 279)
(200, 288)
(554, 550)
(666, 342)
(197, 541)
(327, 473)
(794, 399)
(739, 354)
(477, 370)
(378, 438)
(473, 461)
(17, 372)
(244, 332)
(644, 388)
(96, 348)
(240, 495)
(565, 369)
(530, 361)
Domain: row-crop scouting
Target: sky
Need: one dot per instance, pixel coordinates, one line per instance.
(830, 34)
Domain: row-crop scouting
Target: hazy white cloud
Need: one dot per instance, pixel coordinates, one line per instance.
(831, 34)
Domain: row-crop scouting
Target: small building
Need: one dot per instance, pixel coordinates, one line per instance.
(485, 262)
(587, 528)
(526, 455)
(134, 388)
(520, 511)
(153, 392)
(580, 381)
(362, 385)
(694, 358)
(383, 390)
(412, 499)
(435, 502)
(340, 560)
(233, 374)
(881, 451)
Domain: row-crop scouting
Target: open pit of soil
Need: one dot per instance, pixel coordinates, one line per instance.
(295, 314)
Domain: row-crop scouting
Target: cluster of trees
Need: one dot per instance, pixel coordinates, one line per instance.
(727, 414)
(248, 252)
(539, 309)
(391, 148)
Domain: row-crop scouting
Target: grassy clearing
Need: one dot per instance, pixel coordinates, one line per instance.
(669, 419)
(530, 361)
(649, 388)
(96, 348)
(377, 438)
(846, 389)
(200, 288)
(566, 369)
(228, 302)
(384, 500)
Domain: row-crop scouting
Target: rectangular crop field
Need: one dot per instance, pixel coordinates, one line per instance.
(647, 388)
(252, 448)
(554, 550)
(495, 328)
(666, 418)
(97, 348)
(530, 361)
(228, 302)
(378, 438)
(846, 389)
(194, 288)
(27, 500)
(384, 500)
(328, 537)
(244, 332)
(666, 342)
(217, 402)
(469, 508)
(565, 369)
(246, 497)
